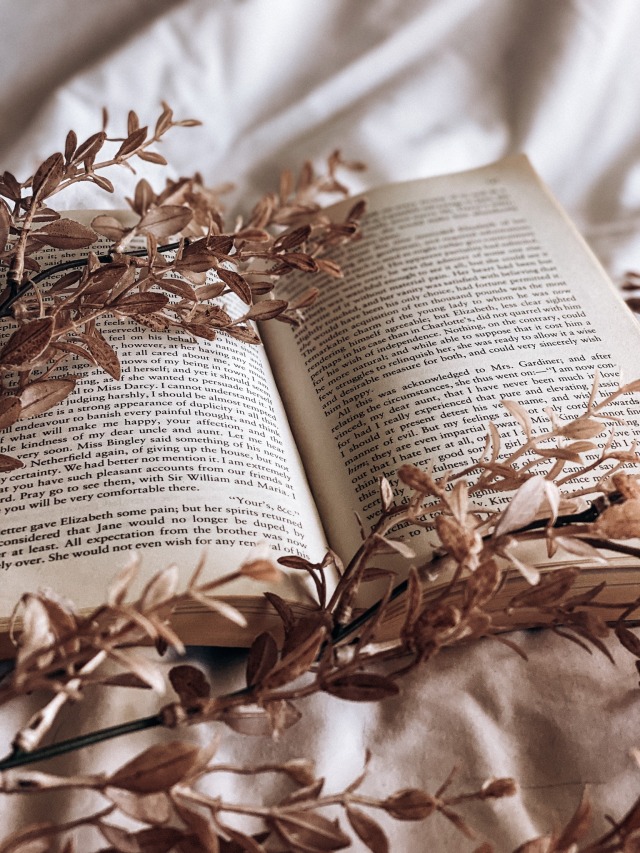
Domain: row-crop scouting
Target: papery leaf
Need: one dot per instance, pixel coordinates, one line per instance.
(10, 407)
(120, 839)
(9, 463)
(48, 175)
(396, 545)
(200, 825)
(263, 656)
(308, 831)
(410, 804)
(210, 291)
(219, 605)
(160, 588)
(583, 427)
(578, 826)
(237, 284)
(386, 493)
(362, 687)
(152, 157)
(551, 589)
(189, 683)
(166, 220)
(103, 353)
(108, 226)
(119, 586)
(300, 261)
(65, 234)
(27, 343)
(150, 808)
(368, 831)
(243, 333)
(139, 303)
(158, 768)
(298, 659)
(5, 225)
(267, 309)
(90, 147)
(523, 508)
(261, 570)
(36, 628)
(574, 545)
(520, 414)
(254, 720)
(628, 639)
(103, 183)
(292, 238)
(283, 610)
(132, 142)
(42, 395)
(309, 792)
(529, 573)
(141, 666)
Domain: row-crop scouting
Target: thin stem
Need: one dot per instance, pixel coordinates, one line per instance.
(19, 758)
(19, 292)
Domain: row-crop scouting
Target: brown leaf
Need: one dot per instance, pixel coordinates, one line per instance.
(243, 333)
(628, 639)
(523, 507)
(149, 808)
(166, 220)
(236, 283)
(308, 831)
(9, 410)
(583, 427)
(152, 157)
(42, 395)
(108, 226)
(5, 224)
(160, 588)
(520, 414)
(298, 660)
(550, 590)
(267, 309)
(368, 831)
(90, 147)
(362, 687)
(158, 768)
(27, 343)
(578, 826)
(48, 175)
(103, 352)
(263, 656)
(139, 303)
(189, 683)
(65, 234)
(9, 463)
(255, 721)
(410, 804)
(132, 142)
(103, 183)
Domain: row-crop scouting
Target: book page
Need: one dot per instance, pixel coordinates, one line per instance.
(464, 290)
(190, 454)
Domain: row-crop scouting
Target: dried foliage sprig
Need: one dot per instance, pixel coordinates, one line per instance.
(330, 648)
(62, 652)
(55, 312)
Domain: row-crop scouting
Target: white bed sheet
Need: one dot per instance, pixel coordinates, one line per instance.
(413, 89)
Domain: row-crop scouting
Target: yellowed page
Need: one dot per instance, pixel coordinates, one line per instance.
(464, 290)
(189, 454)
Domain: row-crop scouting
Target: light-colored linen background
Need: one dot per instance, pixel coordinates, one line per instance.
(413, 89)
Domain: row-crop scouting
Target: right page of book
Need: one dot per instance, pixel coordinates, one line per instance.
(463, 290)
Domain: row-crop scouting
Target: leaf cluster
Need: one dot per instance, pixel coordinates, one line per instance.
(217, 278)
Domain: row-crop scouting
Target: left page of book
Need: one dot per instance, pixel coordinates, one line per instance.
(188, 454)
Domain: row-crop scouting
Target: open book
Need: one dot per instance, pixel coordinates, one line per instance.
(465, 289)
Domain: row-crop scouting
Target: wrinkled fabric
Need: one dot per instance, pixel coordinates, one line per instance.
(413, 89)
